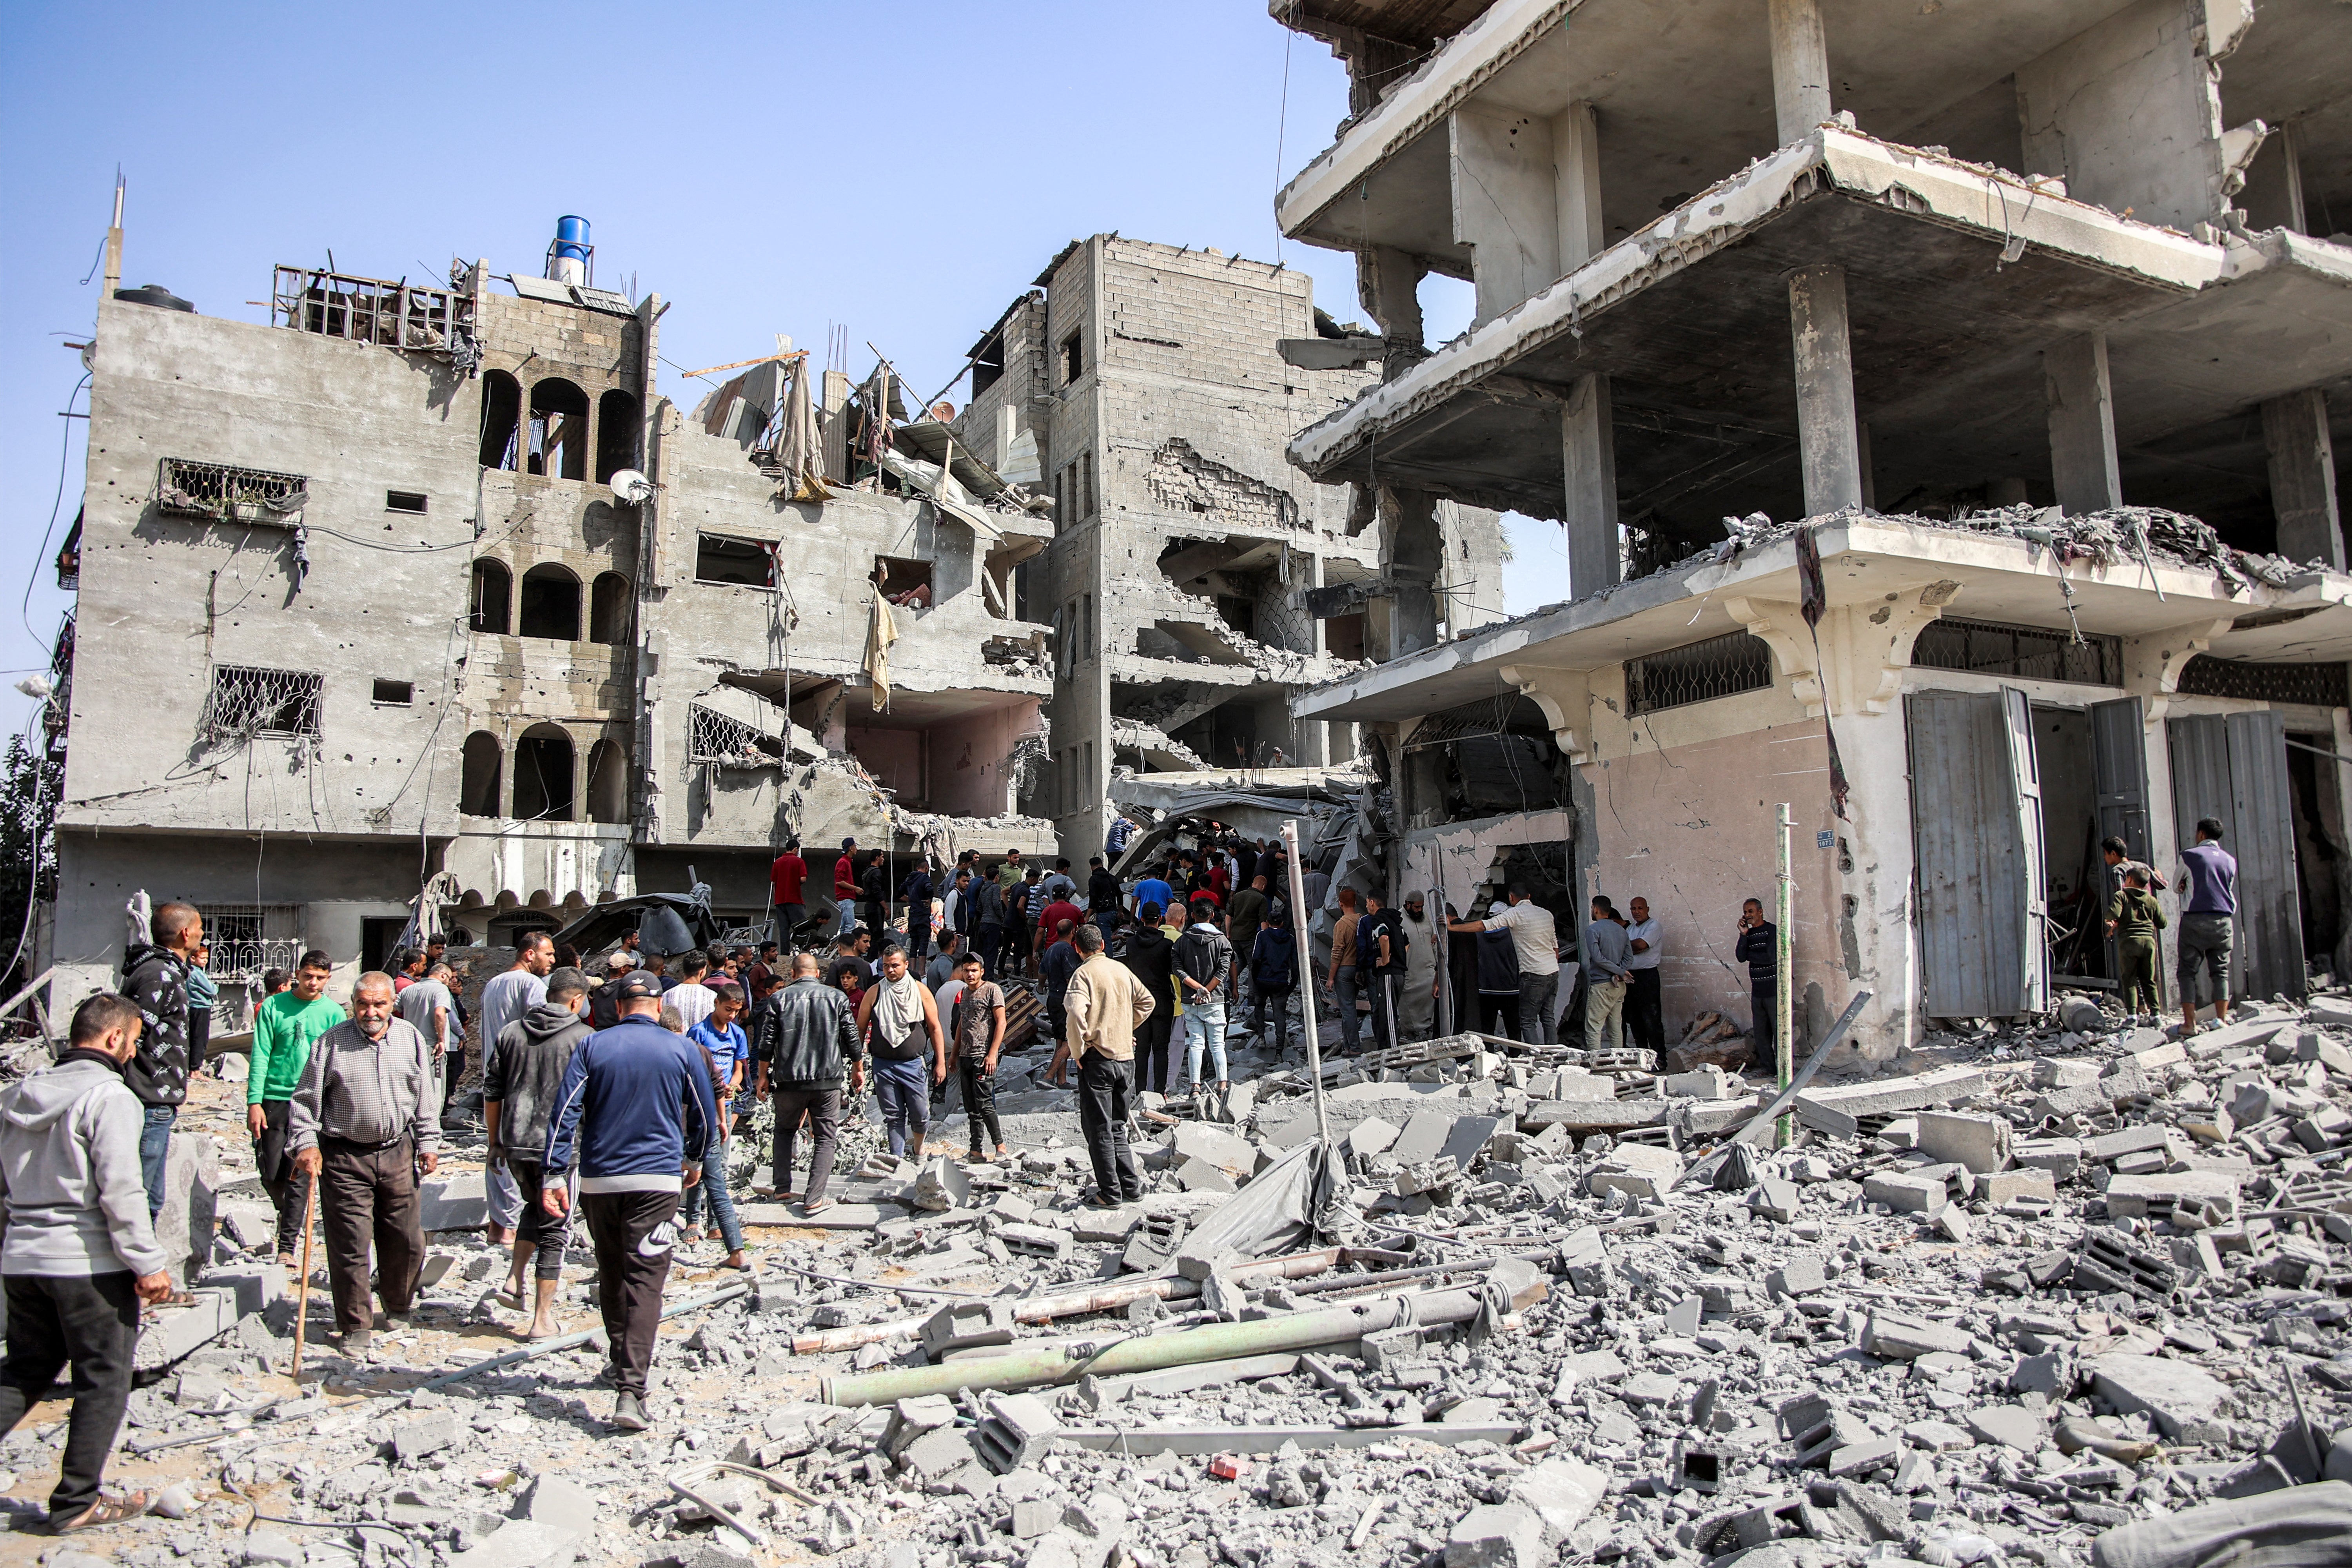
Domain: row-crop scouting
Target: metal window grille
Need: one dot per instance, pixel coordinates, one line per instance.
(2028, 653)
(392, 314)
(2319, 685)
(226, 494)
(245, 701)
(1699, 672)
(246, 939)
(713, 737)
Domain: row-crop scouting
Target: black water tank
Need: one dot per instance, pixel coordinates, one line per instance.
(153, 294)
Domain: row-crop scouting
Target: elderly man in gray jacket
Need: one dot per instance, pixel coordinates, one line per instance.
(805, 1037)
(80, 1254)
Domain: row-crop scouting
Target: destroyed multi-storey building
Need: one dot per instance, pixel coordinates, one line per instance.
(425, 579)
(2031, 313)
(1194, 577)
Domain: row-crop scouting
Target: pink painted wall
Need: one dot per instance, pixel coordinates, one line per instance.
(968, 777)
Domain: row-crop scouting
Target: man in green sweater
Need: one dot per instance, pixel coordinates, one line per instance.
(283, 1027)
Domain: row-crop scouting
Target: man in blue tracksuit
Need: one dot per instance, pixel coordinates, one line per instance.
(636, 1115)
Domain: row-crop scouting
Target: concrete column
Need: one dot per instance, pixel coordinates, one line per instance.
(1829, 435)
(1388, 282)
(1588, 450)
(2082, 423)
(2303, 478)
(1504, 207)
(1404, 620)
(1801, 68)
(1576, 182)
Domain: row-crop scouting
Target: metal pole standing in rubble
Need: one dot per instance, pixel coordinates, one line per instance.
(1784, 965)
(1298, 913)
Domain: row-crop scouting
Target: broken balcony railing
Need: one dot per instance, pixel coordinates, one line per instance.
(227, 494)
(713, 737)
(245, 701)
(393, 314)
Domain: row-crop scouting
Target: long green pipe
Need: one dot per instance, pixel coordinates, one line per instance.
(1153, 1353)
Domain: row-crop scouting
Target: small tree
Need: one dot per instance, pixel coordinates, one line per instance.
(29, 783)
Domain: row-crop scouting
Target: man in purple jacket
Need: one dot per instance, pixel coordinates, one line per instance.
(2206, 916)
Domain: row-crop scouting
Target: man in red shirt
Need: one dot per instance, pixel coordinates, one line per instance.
(784, 879)
(1053, 916)
(845, 888)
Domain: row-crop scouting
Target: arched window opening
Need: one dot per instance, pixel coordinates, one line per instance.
(493, 593)
(608, 609)
(617, 435)
(608, 782)
(477, 787)
(501, 419)
(550, 605)
(559, 429)
(544, 774)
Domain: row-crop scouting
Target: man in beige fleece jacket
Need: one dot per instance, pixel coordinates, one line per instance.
(1101, 1007)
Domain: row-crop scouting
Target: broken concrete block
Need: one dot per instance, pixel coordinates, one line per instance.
(1497, 1535)
(1775, 1199)
(2186, 1402)
(1370, 1136)
(1699, 1083)
(1197, 1175)
(1861, 1459)
(1977, 1143)
(1636, 1169)
(1798, 1276)
(966, 1325)
(1233, 1155)
(2051, 1374)
(427, 1433)
(2001, 1187)
(2013, 1425)
(2062, 1157)
(1892, 1338)
(552, 1500)
(942, 1186)
(2133, 1196)
(453, 1203)
(1905, 1194)
(1016, 1430)
(937, 1452)
(1032, 1517)
(1561, 1492)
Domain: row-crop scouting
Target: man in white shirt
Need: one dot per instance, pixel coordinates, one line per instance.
(1535, 938)
(692, 996)
(1645, 1017)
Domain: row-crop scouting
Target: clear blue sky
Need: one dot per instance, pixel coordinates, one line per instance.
(904, 169)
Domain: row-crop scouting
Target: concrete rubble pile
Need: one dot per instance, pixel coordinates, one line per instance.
(2065, 1293)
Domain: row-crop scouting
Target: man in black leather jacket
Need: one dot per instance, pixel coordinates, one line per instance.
(805, 1037)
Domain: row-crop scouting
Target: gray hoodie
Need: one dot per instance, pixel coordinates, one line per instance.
(69, 1177)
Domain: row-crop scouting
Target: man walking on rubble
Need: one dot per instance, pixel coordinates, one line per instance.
(283, 1028)
(2134, 917)
(1204, 975)
(155, 978)
(977, 1028)
(805, 1037)
(1759, 949)
(366, 1121)
(427, 1003)
(845, 890)
(2207, 920)
(505, 999)
(787, 896)
(80, 1251)
(1105, 1005)
(899, 1020)
(521, 1071)
(637, 1117)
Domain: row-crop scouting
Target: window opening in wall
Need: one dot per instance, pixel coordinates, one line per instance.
(395, 693)
(608, 782)
(226, 494)
(501, 419)
(493, 593)
(904, 582)
(1073, 358)
(608, 609)
(2025, 653)
(543, 768)
(404, 500)
(1343, 636)
(550, 605)
(617, 435)
(987, 364)
(713, 737)
(245, 701)
(559, 429)
(1239, 613)
(2317, 685)
(743, 562)
(1699, 672)
(246, 939)
(478, 785)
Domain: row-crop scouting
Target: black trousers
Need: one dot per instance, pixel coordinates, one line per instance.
(1105, 1087)
(823, 1108)
(1764, 1001)
(1645, 1011)
(979, 1104)
(368, 1196)
(1499, 1014)
(92, 1321)
(1151, 1043)
(287, 1189)
(548, 1234)
(633, 1238)
(989, 944)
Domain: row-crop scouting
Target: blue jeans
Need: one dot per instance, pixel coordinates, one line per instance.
(848, 921)
(904, 1092)
(1343, 996)
(1205, 1027)
(154, 1147)
(712, 1190)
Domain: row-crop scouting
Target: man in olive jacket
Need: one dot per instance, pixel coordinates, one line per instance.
(1103, 1004)
(806, 1035)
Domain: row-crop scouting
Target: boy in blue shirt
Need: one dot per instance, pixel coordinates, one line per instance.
(729, 1053)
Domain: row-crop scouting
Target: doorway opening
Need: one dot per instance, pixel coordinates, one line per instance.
(2077, 890)
(2323, 865)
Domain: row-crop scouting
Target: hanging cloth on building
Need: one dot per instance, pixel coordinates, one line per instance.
(881, 631)
(1814, 598)
(799, 448)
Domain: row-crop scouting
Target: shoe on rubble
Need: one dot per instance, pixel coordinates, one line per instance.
(105, 1511)
(629, 1413)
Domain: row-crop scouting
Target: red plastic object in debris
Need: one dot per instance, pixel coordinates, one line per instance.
(1228, 1467)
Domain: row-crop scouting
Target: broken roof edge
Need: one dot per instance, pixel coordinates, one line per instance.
(1418, 683)
(1939, 189)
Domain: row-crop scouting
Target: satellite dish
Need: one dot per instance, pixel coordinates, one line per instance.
(633, 487)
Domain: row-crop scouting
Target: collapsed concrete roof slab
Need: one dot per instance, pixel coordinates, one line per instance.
(1866, 560)
(1689, 318)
